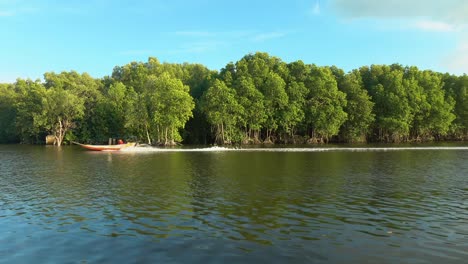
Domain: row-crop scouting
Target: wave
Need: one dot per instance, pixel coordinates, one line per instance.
(317, 149)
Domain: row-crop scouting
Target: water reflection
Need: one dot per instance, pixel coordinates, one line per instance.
(255, 206)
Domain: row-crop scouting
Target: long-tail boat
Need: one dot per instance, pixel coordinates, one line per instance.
(105, 147)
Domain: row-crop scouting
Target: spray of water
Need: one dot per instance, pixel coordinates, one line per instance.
(317, 149)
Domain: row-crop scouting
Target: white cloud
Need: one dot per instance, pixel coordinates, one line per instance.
(213, 34)
(231, 36)
(136, 52)
(72, 10)
(457, 62)
(448, 16)
(195, 33)
(449, 11)
(9, 8)
(267, 36)
(316, 9)
(428, 25)
(7, 78)
(425, 15)
(6, 13)
(198, 47)
(211, 41)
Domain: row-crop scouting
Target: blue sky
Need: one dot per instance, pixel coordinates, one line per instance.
(95, 35)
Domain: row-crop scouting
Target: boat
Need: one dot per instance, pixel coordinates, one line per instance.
(105, 147)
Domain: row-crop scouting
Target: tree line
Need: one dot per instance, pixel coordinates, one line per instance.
(258, 99)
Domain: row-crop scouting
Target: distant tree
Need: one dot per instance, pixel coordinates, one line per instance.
(222, 110)
(8, 99)
(456, 87)
(198, 78)
(433, 111)
(294, 113)
(171, 106)
(137, 115)
(251, 101)
(134, 74)
(115, 105)
(88, 127)
(275, 101)
(392, 108)
(28, 107)
(268, 75)
(359, 108)
(60, 108)
(324, 104)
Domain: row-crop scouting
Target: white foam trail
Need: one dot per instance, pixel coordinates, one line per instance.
(157, 149)
(318, 149)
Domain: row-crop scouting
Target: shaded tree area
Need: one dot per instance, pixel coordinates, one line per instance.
(258, 99)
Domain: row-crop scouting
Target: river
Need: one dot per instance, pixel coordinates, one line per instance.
(218, 205)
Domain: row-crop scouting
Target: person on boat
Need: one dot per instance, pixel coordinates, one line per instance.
(120, 142)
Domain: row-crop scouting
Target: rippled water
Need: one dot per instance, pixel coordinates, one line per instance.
(350, 205)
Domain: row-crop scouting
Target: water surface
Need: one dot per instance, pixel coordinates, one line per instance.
(260, 205)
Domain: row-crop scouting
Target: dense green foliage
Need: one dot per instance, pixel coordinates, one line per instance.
(258, 99)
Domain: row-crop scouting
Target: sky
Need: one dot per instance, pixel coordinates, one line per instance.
(94, 36)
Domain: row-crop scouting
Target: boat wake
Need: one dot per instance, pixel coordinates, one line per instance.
(317, 149)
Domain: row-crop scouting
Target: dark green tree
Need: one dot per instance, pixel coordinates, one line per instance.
(359, 108)
(171, 107)
(8, 99)
(324, 113)
(222, 111)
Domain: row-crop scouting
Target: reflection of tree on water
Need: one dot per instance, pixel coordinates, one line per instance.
(202, 183)
(402, 183)
(60, 186)
(239, 197)
(153, 195)
(109, 158)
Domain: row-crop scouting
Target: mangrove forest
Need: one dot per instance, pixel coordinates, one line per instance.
(259, 99)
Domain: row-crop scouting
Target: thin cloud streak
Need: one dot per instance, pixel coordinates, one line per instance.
(198, 47)
(428, 25)
(211, 34)
(458, 61)
(267, 36)
(6, 13)
(223, 37)
(316, 9)
(449, 11)
(209, 41)
(195, 33)
(136, 52)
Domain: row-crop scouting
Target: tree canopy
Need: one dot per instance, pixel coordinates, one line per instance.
(258, 99)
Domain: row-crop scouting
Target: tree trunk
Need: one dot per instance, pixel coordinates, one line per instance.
(147, 134)
(172, 134)
(59, 133)
(222, 132)
(159, 133)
